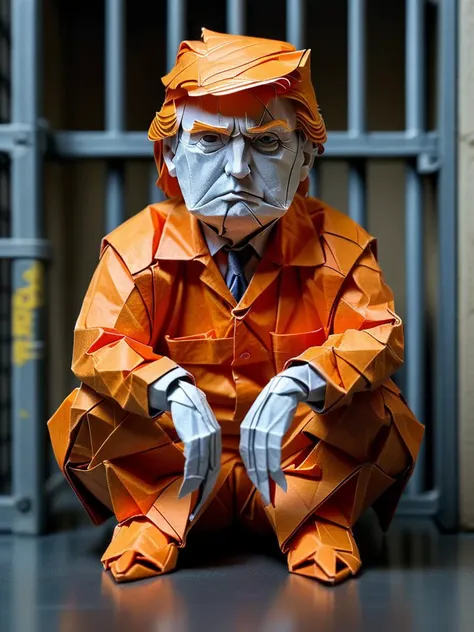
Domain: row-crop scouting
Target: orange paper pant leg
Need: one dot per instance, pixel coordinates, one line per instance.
(362, 456)
(342, 463)
(119, 462)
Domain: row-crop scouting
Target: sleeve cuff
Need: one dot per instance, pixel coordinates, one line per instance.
(158, 390)
(312, 381)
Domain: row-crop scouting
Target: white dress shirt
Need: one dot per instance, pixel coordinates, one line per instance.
(215, 243)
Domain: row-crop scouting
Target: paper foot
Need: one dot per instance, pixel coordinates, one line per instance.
(139, 550)
(324, 551)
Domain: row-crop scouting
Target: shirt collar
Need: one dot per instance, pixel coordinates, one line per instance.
(295, 240)
(215, 242)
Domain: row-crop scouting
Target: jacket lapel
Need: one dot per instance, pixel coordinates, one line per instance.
(212, 277)
(294, 241)
(182, 240)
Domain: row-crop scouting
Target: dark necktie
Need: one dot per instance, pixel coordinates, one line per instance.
(235, 277)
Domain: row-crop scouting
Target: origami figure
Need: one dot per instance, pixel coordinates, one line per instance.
(236, 342)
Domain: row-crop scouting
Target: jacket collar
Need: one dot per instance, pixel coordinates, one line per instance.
(215, 242)
(293, 242)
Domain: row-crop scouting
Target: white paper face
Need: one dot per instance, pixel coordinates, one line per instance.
(234, 178)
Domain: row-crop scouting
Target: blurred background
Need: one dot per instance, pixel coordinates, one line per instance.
(79, 86)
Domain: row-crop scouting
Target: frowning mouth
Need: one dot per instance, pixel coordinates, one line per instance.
(235, 196)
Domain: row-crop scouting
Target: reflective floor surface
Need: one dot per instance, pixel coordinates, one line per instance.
(414, 580)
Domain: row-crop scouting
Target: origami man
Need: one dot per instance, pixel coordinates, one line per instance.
(236, 343)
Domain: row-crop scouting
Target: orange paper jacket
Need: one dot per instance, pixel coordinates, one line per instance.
(157, 299)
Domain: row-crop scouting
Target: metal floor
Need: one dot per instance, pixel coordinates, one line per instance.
(414, 580)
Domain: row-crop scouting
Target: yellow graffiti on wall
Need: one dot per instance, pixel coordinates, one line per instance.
(26, 300)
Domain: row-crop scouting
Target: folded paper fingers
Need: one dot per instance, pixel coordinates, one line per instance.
(268, 420)
(262, 431)
(198, 429)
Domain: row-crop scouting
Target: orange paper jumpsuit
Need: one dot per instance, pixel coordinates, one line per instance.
(157, 300)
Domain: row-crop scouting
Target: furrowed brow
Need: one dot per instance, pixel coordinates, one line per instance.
(199, 126)
(266, 127)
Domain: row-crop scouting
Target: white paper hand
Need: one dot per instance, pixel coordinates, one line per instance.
(197, 428)
(201, 434)
(268, 419)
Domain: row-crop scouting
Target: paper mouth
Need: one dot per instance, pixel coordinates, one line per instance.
(236, 196)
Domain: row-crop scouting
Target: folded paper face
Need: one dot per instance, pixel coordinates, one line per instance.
(227, 69)
(238, 164)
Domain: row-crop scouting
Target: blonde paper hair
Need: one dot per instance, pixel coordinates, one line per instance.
(224, 64)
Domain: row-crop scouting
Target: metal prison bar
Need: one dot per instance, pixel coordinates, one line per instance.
(22, 509)
(425, 152)
(5, 288)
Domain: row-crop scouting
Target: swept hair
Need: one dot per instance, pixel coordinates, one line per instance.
(224, 64)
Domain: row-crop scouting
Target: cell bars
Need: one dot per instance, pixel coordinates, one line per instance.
(5, 267)
(22, 251)
(425, 152)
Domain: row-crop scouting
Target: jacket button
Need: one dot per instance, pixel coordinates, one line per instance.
(245, 355)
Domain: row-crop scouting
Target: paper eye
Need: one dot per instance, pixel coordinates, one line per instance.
(211, 142)
(266, 143)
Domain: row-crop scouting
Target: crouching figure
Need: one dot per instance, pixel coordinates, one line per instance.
(236, 342)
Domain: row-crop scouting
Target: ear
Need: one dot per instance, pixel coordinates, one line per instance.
(169, 152)
(309, 149)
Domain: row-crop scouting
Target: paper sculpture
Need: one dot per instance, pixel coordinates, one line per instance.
(236, 342)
